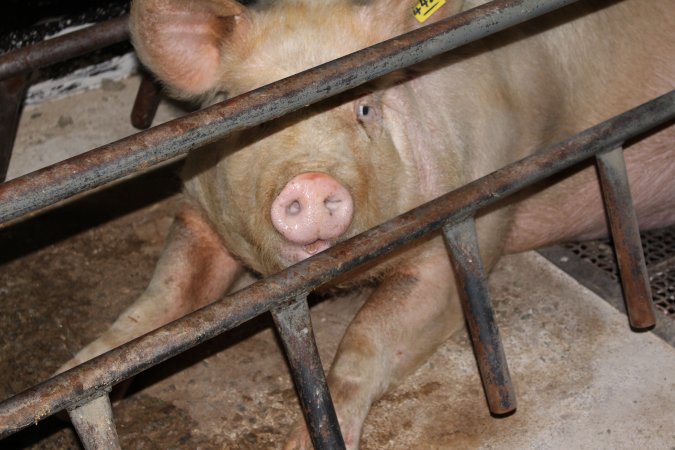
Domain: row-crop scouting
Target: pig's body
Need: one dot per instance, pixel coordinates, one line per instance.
(373, 154)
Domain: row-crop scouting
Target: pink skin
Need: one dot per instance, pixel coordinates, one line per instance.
(312, 211)
(471, 114)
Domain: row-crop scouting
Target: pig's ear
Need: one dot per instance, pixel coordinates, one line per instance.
(182, 42)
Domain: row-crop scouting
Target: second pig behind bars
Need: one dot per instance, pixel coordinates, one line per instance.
(277, 194)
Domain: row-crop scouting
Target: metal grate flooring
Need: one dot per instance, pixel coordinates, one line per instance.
(593, 264)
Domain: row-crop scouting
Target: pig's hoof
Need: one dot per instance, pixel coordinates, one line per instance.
(299, 439)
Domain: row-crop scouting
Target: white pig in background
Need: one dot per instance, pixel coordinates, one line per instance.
(277, 194)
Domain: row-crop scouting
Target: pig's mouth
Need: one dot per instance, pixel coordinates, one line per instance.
(294, 253)
(317, 246)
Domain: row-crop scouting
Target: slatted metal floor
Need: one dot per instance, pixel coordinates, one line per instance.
(593, 264)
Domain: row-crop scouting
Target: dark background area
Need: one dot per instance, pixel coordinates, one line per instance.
(26, 21)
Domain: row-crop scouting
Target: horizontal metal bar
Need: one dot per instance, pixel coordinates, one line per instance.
(295, 330)
(132, 358)
(623, 225)
(462, 243)
(176, 138)
(63, 48)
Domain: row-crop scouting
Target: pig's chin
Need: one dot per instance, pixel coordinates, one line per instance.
(293, 253)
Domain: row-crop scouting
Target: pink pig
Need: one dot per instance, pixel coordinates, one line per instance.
(272, 196)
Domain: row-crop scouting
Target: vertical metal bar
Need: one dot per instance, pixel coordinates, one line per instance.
(295, 328)
(462, 243)
(95, 424)
(146, 103)
(12, 93)
(626, 236)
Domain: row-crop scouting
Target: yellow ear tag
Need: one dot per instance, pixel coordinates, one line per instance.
(426, 8)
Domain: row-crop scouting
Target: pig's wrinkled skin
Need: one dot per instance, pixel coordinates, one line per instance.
(385, 148)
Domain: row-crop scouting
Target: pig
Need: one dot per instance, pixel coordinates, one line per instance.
(266, 198)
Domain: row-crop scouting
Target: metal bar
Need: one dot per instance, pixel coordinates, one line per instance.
(12, 93)
(177, 137)
(626, 238)
(95, 424)
(62, 48)
(146, 103)
(462, 244)
(295, 329)
(132, 358)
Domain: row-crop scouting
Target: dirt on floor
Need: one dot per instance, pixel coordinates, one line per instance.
(66, 274)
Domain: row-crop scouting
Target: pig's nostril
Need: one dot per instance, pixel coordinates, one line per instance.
(294, 208)
(332, 204)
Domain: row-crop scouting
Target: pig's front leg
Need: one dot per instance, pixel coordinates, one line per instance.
(194, 270)
(413, 310)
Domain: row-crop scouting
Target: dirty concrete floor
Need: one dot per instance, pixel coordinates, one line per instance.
(583, 379)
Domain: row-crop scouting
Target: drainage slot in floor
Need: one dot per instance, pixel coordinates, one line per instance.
(593, 264)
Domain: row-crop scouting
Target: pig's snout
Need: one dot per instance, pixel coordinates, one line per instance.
(312, 207)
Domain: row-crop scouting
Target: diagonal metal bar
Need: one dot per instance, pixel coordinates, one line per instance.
(95, 424)
(626, 237)
(62, 48)
(132, 358)
(462, 244)
(177, 137)
(295, 329)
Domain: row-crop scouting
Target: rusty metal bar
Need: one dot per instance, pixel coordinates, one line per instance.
(62, 48)
(132, 358)
(295, 329)
(146, 103)
(95, 424)
(12, 92)
(626, 237)
(177, 137)
(462, 244)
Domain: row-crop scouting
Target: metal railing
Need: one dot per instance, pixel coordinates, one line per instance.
(17, 66)
(177, 137)
(83, 389)
(63, 48)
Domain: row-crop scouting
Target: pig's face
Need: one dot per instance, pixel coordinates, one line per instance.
(290, 188)
(295, 186)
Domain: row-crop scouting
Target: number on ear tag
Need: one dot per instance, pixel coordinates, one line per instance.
(426, 8)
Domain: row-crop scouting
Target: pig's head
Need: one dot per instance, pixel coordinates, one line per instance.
(292, 187)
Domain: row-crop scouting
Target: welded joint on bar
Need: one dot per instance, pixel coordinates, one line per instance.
(292, 302)
(105, 390)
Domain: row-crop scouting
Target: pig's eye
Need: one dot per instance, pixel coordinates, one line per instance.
(368, 113)
(365, 112)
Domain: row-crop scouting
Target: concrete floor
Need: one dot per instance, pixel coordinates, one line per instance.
(583, 379)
